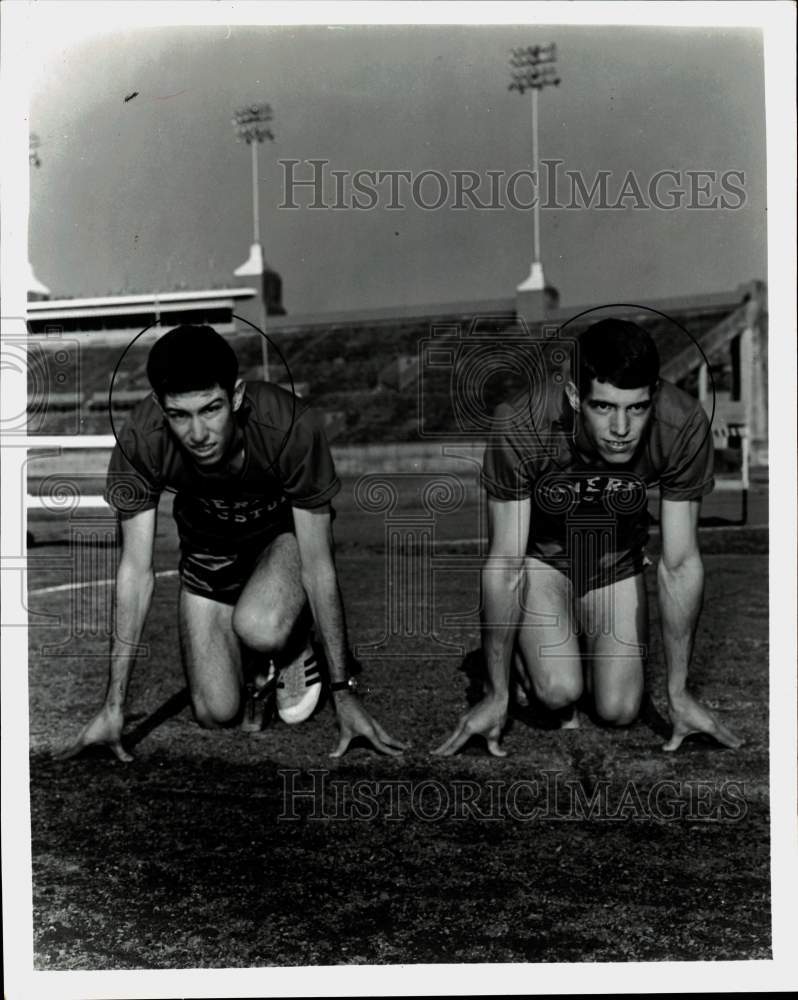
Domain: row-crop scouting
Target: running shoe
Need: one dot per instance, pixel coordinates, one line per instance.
(299, 687)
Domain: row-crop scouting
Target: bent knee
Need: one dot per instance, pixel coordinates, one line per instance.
(618, 711)
(216, 711)
(558, 692)
(265, 631)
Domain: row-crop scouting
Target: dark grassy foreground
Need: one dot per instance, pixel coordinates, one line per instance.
(190, 857)
(186, 863)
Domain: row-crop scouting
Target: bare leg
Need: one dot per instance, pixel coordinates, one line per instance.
(211, 658)
(615, 620)
(211, 633)
(273, 600)
(548, 646)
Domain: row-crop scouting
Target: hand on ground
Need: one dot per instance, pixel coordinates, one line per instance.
(354, 720)
(689, 716)
(486, 718)
(104, 728)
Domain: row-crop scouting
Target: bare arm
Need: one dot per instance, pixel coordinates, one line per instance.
(320, 580)
(680, 577)
(502, 577)
(134, 586)
(681, 588)
(135, 581)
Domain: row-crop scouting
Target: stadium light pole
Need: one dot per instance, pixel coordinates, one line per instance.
(252, 126)
(533, 68)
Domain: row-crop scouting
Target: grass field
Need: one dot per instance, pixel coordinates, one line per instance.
(198, 855)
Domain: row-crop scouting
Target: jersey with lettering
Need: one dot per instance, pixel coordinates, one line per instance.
(538, 450)
(287, 463)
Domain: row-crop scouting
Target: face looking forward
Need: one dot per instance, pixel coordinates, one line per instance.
(613, 419)
(203, 421)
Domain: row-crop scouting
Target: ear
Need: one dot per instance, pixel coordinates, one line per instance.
(573, 395)
(238, 394)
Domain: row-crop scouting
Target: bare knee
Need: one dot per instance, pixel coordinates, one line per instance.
(216, 710)
(558, 691)
(265, 630)
(619, 709)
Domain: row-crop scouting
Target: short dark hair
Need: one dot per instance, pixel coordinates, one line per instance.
(619, 352)
(189, 358)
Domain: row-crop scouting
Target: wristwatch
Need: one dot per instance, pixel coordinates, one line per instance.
(350, 684)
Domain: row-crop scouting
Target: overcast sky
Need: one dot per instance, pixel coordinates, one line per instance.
(154, 192)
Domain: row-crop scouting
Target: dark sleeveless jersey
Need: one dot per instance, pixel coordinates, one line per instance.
(287, 463)
(537, 450)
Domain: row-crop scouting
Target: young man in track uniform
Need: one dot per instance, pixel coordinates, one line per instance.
(253, 479)
(566, 473)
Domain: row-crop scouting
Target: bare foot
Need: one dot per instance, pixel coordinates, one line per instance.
(520, 697)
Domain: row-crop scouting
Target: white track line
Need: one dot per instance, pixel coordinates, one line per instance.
(477, 542)
(88, 583)
(79, 442)
(55, 504)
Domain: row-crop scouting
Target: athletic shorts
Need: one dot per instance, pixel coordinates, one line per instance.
(590, 572)
(221, 576)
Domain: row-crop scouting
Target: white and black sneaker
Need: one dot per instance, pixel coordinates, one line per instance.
(299, 686)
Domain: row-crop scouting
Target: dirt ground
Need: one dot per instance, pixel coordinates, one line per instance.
(218, 849)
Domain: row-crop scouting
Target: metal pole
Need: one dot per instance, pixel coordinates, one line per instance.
(255, 211)
(264, 343)
(536, 207)
(251, 127)
(532, 68)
